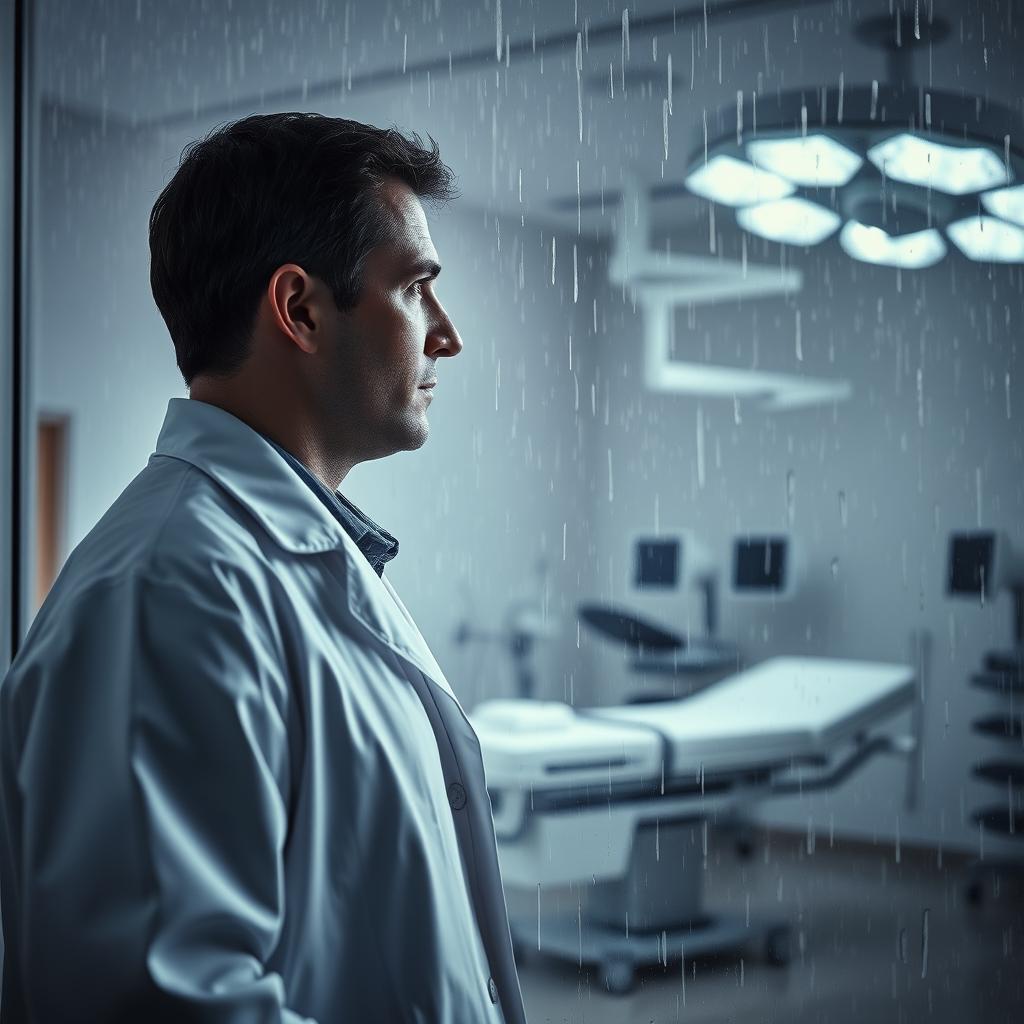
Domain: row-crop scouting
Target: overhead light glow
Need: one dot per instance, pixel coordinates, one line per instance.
(815, 160)
(872, 245)
(953, 169)
(794, 221)
(732, 182)
(1007, 203)
(988, 239)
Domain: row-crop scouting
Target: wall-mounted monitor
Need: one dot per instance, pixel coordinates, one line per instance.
(663, 565)
(657, 562)
(761, 565)
(980, 564)
(970, 567)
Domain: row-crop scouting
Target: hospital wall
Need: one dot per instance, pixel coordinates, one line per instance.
(476, 510)
(869, 489)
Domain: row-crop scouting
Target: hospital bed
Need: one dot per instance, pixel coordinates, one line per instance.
(619, 799)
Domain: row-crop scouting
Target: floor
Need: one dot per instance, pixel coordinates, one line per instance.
(875, 939)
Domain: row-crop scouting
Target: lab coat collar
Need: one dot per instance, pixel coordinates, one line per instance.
(259, 479)
(248, 468)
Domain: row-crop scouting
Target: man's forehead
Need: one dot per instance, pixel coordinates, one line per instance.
(404, 206)
(410, 235)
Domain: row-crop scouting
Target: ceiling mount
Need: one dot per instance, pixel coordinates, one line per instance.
(900, 36)
(660, 283)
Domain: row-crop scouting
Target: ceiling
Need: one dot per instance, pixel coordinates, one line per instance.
(574, 94)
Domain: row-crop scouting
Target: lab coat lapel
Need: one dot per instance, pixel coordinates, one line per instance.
(373, 602)
(249, 468)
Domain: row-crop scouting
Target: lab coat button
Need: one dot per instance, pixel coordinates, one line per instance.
(457, 796)
(492, 991)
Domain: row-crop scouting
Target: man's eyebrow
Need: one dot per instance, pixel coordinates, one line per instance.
(424, 268)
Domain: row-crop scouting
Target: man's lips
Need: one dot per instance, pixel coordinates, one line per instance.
(429, 384)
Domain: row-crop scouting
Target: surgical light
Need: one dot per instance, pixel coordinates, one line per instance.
(873, 245)
(814, 161)
(898, 161)
(794, 221)
(1007, 203)
(732, 182)
(988, 240)
(956, 170)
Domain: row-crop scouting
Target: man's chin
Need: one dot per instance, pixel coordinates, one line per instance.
(411, 445)
(419, 438)
(412, 436)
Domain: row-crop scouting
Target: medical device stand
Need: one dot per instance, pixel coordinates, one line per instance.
(1002, 674)
(526, 622)
(654, 915)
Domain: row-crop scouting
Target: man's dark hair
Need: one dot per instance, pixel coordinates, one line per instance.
(266, 190)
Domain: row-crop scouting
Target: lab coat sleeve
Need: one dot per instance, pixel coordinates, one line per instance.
(155, 769)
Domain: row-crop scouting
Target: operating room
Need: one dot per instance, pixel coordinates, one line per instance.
(718, 534)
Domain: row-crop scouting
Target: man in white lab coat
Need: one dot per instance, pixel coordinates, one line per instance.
(236, 786)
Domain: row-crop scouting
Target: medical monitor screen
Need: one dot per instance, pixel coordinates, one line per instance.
(970, 563)
(759, 563)
(657, 562)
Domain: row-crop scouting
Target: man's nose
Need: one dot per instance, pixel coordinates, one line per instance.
(442, 338)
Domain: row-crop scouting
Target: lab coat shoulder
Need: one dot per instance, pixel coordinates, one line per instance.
(147, 716)
(173, 545)
(171, 523)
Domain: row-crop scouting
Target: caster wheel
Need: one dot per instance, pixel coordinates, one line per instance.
(777, 947)
(974, 893)
(617, 975)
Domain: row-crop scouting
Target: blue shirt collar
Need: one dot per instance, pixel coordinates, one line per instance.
(376, 544)
(252, 472)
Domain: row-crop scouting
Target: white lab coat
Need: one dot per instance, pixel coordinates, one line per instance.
(222, 798)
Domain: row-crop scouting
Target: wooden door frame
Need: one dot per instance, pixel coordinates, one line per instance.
(50, 520)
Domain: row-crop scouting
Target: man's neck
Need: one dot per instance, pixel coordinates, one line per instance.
(291, 429)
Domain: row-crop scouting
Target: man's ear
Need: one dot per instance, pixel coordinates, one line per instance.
(294, 305)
